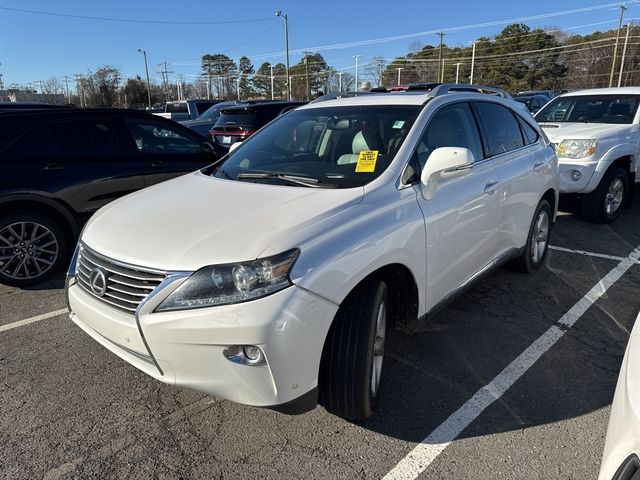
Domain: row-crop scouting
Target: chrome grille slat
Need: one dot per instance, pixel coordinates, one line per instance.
(133, 273)
(126, 286)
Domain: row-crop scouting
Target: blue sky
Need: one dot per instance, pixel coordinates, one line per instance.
(36, 47)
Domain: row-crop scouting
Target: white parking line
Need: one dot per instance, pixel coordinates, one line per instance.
(411, 466)
(588, 254)
(27, 321)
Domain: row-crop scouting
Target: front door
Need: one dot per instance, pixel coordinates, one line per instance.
(462, 214)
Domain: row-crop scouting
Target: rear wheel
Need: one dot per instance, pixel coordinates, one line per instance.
(353, 356)
(32, 248)
(605, 203)
(535, 250)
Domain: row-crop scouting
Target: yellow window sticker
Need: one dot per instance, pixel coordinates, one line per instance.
(367, 161)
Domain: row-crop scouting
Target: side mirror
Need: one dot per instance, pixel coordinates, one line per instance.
(447, 162)
(234, 146)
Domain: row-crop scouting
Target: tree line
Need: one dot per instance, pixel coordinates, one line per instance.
(517, 58)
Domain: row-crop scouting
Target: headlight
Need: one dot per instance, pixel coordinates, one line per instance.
(576, 148)
(232, 283)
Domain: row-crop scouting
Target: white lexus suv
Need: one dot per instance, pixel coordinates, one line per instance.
(597, 134)
(273, 277)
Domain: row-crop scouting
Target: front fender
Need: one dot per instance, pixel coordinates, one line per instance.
(386, 228)
(611, 155)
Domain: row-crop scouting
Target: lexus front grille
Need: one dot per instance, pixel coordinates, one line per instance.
(117, 284)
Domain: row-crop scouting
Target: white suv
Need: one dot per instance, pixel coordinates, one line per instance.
(273, 277)
(597, 134)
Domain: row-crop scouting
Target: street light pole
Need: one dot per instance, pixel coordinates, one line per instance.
(340, 81)
(399, 69)
(624, 54)
(286, 48)
(356, 82)
(457, 72)
(473, 61)
(146, 69)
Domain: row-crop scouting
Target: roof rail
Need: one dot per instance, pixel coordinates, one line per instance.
(436, 89)
(461, 87)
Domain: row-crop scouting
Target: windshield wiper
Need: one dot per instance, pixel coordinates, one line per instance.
(297, 180)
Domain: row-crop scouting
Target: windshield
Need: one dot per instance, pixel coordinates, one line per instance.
(590, 109)
(332, 147)
(525, 100)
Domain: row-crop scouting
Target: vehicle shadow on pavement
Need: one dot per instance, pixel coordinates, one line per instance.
(433, 372)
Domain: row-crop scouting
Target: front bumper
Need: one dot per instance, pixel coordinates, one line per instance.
(185, 348)
(567, 184)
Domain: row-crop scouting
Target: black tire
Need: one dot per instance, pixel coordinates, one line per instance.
(39, 264)
(348, 358)
(595, 206)
(529, 260)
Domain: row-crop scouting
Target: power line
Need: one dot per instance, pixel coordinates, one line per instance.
(131, 20)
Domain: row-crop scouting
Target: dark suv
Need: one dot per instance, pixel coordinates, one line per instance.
(58, 166)
(237, 123)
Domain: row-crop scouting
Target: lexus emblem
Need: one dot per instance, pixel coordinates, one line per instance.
(98, 281)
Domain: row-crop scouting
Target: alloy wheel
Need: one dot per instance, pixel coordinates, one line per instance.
(540, 236)
(378, 348)
(614, 196)
(27, 250)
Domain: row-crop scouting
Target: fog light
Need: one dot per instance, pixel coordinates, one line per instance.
(575, 175)
(245, 355)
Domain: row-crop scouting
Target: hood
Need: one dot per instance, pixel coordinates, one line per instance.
(557, 132)
(196, 220)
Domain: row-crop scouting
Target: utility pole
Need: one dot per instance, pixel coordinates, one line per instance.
(473, 61)
(80, 90)
(356, 82)
(457, 72)
(146, 69)
(66, 84)
(624, 53)
(208, 86)
(442, 72)
(306, 65)
(440, 75)
(165, 80)
(286, 48)
(271, 68)
(615, 49)
(399, 69)
(340, 81)
(238, 85)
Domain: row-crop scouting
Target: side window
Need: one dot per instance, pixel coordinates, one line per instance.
(35, 142)
(85, 137)
(501, 128)
(452, 126)
(156, 137)
(530, 133)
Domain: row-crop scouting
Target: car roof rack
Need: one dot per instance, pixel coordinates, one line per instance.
(437, 89)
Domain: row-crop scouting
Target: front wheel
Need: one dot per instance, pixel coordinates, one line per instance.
(605, 203)
(353, 355)
(535, 250)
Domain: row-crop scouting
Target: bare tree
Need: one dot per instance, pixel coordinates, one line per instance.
(375, 69)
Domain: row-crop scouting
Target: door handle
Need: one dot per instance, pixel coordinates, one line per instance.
(157, 164)
(52, 167)
(491, 187)
(538, 165)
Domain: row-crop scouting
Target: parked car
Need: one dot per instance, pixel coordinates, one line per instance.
(186, 109)
(597, 135)
(58, 166)
(532, 102)
(549, 94)
(621, 450)
(207, 120)
(237, 123)
(341, 219)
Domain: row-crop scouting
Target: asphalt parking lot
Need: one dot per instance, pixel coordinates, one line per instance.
(513, 380)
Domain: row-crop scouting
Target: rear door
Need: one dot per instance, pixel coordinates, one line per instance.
(166, 150)
(516, 156)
